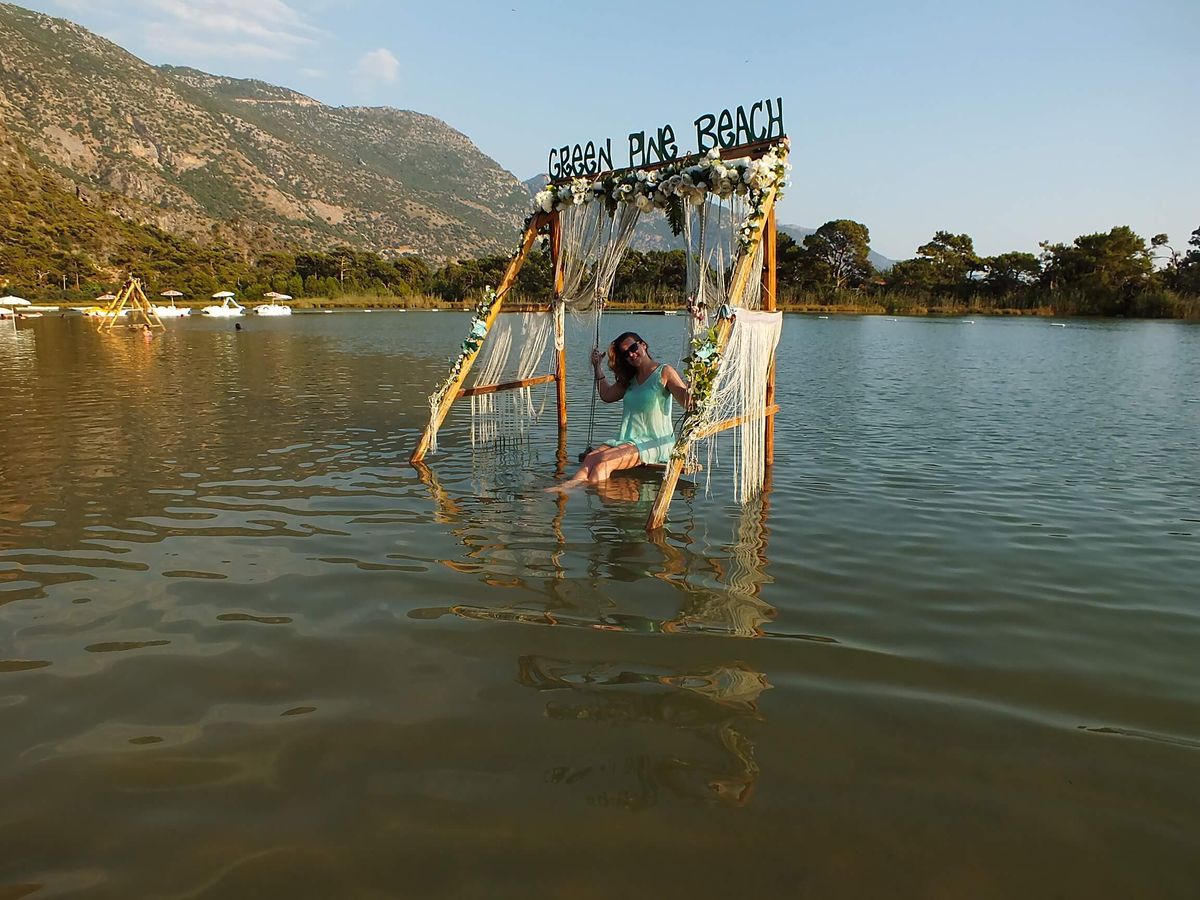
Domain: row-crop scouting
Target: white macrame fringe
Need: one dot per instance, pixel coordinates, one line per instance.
(515, 349)
(741, 391)
(592, 247)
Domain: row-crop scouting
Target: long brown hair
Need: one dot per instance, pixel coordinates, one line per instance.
(619, 362)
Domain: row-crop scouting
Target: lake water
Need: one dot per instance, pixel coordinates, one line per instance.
(247, 651)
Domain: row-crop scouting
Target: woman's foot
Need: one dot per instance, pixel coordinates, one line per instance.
(564, 486)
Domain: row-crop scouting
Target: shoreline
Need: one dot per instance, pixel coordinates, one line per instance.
(425, 303)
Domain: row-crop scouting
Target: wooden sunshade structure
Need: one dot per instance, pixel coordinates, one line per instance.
(132, 296)
(549, 223)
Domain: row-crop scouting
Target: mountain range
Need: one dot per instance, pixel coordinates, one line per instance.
(190, 152)
(205, 157)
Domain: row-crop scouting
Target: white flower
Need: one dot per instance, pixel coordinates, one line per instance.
(644, 203)
(545, 200)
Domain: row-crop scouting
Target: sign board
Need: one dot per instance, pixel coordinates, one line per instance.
(729, 128)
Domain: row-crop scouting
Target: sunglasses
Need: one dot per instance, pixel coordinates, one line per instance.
(630, 349)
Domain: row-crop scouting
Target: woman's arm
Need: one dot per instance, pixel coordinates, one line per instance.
(609, 393)
(673, 383)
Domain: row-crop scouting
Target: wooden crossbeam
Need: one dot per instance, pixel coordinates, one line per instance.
(506, 385)
(716, 427)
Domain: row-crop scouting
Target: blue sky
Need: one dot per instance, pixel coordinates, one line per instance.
(1013, 121)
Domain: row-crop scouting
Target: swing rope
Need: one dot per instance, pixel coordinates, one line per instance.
(591, 445)
(614, 234)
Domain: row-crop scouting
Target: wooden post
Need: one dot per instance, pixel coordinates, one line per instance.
(741, 275)
(506, 283)
(560, 342)
(770, 281)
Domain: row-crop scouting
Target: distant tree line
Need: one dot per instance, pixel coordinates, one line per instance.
(1116, 273)
(57, 248)
(1113, 273)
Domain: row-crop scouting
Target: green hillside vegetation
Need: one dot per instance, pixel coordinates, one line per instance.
(58, 248)
(187, 151)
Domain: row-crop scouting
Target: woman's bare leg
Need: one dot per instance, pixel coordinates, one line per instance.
(600, 464)
(611, 459)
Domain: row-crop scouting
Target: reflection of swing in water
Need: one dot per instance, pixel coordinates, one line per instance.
(502, 559)
(714, 705)
(723, 203)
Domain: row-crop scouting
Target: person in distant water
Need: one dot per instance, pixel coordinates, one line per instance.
(647, 387)
(237, 326)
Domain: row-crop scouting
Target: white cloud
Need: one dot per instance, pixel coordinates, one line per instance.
(270, 29)
(378, 65)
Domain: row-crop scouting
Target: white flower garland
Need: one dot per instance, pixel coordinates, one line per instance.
(690, 183)
(470, 345)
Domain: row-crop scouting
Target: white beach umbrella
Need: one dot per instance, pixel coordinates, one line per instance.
(171, 294)
(107, 297)
(283, 296)
(220, 295)
(274, 295)
(13, 301)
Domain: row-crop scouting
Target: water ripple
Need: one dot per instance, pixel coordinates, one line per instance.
(967, 597)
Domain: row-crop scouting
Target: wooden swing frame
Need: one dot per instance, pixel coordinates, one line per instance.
(131, 295)
(550, 223)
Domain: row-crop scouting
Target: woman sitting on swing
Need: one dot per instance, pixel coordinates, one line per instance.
(647, 433)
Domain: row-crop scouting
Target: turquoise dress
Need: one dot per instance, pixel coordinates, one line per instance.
(646, 422)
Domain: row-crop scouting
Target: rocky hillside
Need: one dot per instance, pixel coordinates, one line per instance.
(193, 153)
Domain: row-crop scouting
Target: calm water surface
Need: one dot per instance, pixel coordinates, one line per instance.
(247, 651)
